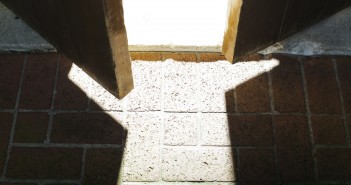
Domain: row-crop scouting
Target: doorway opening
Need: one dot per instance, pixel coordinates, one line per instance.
(175, 25)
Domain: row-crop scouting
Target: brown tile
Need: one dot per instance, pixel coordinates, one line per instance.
(321, 85)
(146, 56)
(45, 163)
(295, 164)
(328, 130)
(344, 68)
(294, 155)
(211, 57)
(102, 166)
(38, 82)
(68, 95)
(250, 130)
(180, 56)
(252, 96)
(31, 127)
(257, 166)
(6, 120)
(287, 86)
(252, 57)
(291, 131)
(10, 75)
(86, 128)
(334, 164)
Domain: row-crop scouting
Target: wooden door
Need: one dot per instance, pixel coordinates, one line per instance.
(90, 32)
(253, 25)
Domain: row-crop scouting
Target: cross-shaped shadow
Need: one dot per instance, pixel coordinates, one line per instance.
(54, 131)
(51, 131)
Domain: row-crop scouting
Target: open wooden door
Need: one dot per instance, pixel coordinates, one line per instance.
(255, 24)
(90, 32)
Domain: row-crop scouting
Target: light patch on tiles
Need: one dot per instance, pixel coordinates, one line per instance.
(218, 78)
(164, 142)
(80, 79)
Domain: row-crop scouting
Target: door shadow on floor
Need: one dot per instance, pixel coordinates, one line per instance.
(68, 140)
(268, 127)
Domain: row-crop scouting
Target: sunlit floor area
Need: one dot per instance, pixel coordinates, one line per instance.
(279, 120)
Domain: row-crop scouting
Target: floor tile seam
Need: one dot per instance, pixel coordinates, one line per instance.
(39, 181)
(51, 111)
(271, 102)
(13, 128)
(309, 121)
(68, 145)
(346, 126)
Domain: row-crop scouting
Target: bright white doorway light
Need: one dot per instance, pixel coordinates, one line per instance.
(175, 25)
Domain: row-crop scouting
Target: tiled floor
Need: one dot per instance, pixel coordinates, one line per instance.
(280, 121)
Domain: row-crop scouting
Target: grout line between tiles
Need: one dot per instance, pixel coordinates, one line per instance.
(13, 128)
(65, 145)
(163, 102)
(174, 182)
(308, 111)
(124, 112)
(198, 105)
(125, 135)
(237, 165)
(271, 102)
(197, 57)
(51, 111)
(331, 146)
(235, 101)
(180, 112)
(12, 133)
(39, 181)
(185, 147)
(163, 56)
(90, 95)
(270, 91)
(83, 166)
(8, 110)
(347, 134)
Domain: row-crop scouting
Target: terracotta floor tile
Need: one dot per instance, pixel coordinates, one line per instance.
(257, 166)
(68, 95)
(38, 82)
(334, 164)
(86, 128)
(45, 163)
(344, 68)
(31, 127)
(11, 67)
(323, 94)
(102, 166)
(253, 96)
(6, 120)
(287, 86)
(328, 130)
(251, 130)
